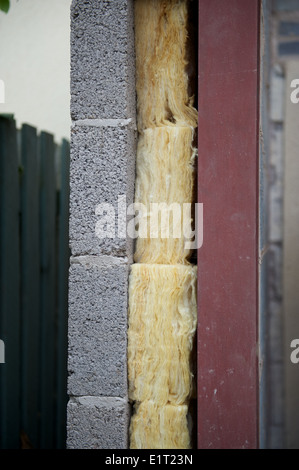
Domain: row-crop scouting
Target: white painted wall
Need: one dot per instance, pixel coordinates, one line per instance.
(35, 64)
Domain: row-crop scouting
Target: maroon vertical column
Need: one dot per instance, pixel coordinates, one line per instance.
(228, 136)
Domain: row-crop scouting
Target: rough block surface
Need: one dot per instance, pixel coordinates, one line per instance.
(102, 169)
(102, 59)
(97, 423)
(97, 361)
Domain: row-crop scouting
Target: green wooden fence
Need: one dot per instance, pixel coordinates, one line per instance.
(34, 262)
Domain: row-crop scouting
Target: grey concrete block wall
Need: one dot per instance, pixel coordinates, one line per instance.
(109, 418)
(97, 328)
(102, 169)
(103, 153)
(102, 47)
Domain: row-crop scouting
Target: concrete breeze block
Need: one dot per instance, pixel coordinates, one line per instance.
(97, 359)
(97, 423)
(102, 168)
(102, 59)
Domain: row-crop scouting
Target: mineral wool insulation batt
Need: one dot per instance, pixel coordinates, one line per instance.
(162, 323)
(162, 284)
(165, 173)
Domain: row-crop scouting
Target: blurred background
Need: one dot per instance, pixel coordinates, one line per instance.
(34, 166)
(34, 254)
(35, 64)
(280, 207)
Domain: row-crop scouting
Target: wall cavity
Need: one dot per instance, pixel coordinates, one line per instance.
(162, 284)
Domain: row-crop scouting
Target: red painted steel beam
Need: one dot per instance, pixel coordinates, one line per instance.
(228, 137)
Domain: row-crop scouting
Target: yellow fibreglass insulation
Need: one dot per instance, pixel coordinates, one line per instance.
(162, 284)
(162, 323)
(159, 427)
(161, 59)
(165, 173)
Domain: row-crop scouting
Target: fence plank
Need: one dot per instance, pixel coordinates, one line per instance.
(47, 292)
(9, 286)
(33, 287)
(63, 267)
(30, 268)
